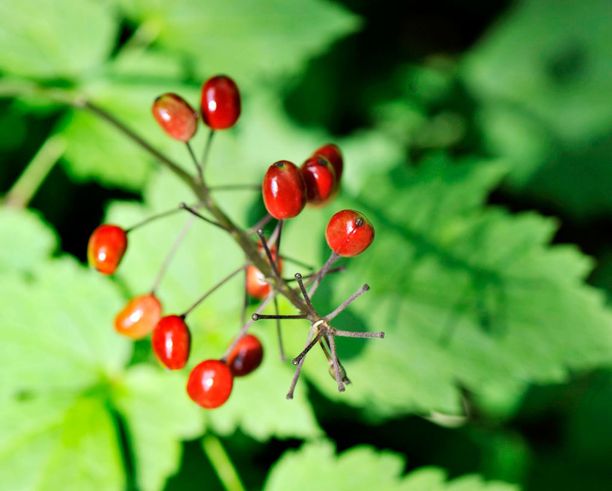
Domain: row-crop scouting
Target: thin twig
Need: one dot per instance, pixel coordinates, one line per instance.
(333, 314)
(213, 289)
(171, 253)
(279, 333)
(191, 210)
(195, 161)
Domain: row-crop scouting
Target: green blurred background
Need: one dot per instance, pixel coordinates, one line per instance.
(478, 139)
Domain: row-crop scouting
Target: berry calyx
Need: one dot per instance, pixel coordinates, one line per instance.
(106, 248)
(210, 383)
(246, 356)
(171, 342)
(349, 233)
(332, 153)
(320, 179)
(256, 284)
(220, 102)
(284, 191)
(176, 117)
(139, 316)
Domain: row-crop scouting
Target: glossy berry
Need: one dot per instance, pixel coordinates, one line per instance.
(171, 342)
(349, 233)
(106, 248)
(246, 356)
(332, 153)
(220, 102)
(210, 383)
(139, 316)
(320, 179)
(256, 284)
(284, 191)
(176, 117)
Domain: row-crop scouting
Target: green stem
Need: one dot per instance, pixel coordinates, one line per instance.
(35, 172)
(221, 462)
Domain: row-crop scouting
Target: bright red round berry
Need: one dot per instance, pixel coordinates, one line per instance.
(332, 153)
(246, 356)
(139, 316)
(106, 248)
(320, 179)
(171, 342)
(210, 384)
(176, 117)
(220, 102)
(284, 191)
(349, 233)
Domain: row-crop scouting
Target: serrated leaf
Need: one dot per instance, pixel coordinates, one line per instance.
(315, 466)
(158, 416)
(26, 240)
(49, 38)
(59, 324)
(58, 442)
(466, 295)
(241, 39)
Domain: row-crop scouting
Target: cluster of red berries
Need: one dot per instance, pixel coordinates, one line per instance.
(286, 189)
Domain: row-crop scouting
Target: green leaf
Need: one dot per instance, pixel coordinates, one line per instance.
(26, 240)
(58, 442)
(315, 466)
(242, 39)
(158, 415)
(59, 325)
(55, 38)
(542, 77)
(552, 60)
(467, 295)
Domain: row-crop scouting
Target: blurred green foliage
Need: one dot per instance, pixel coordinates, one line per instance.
(476, 139)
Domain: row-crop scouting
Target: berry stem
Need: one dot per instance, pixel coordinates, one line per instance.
(337, 269)
(195, 161)
(221, 463)
(298, 278)
(24, 189)
(257, 317)
(316, 281)
(305, 351)
(335, 362)
(264, 243)
(261, 223)
(211, 290)
(357, 334)
(153, 218)
(297, 262)
(191, 210)
(362, 289)
(298, 367)
(171, 253)
(206, 151)
(279, 333)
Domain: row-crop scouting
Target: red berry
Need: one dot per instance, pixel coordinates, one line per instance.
(320, 179)
(220, 102)
(246, 356)
(284, 191)
(139, 316)
(210, 383)
(349, 233)
(256, 284)
(176, 117)
(106, 247)
(171, 342)
(332, 153)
